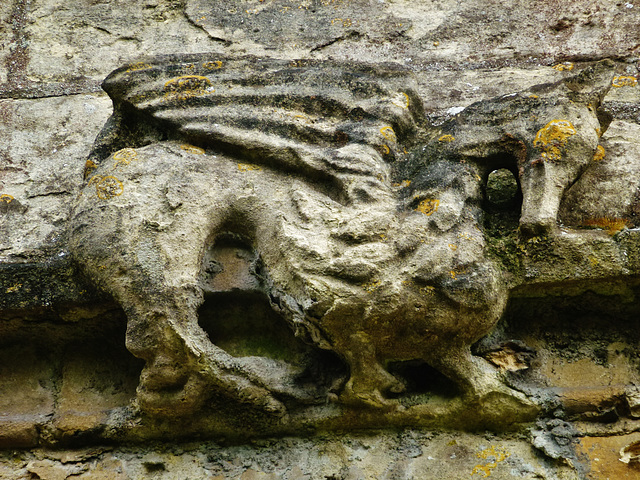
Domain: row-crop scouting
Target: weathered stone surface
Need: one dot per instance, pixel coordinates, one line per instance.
(34, 33)
(27, 398)
(604, 454)
(42, 141)
(80, 43)
(599, 199)
(65, 374)
(386, 455)
(442, 32)
(568, 336)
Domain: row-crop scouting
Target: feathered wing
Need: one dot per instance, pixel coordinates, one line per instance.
(301, 116)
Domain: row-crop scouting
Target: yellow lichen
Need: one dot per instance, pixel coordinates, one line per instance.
(248, 167)
(599, 154)
(303, 118)
(134, 67)
(6, 198)
(453, 246)
(401, 100)
(624, 81)
(562, 67)
(428, 206)
(497, 456)
(13, 289)
(213, 65)
(93, 180)
(533, 96)
(385, 149)
(346, 22)
(388, 133)
(192, 149)
(124, 157)
(187, 86)
(371, 286)
(446, 138)
(556, 131)
(428, 290)
(552, 137)
(89, 166)
(404, 183)
(457, 271)
(107, 187)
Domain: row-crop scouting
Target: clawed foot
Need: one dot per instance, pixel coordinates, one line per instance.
(497, 400)
(180, 399)
(369, 396)
(372, 399)
(177, 392)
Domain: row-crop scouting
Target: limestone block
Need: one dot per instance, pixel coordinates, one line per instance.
(27, 394)
(84, 40)
(444, 33)
(26, 381)
(97, 377)
(44, 142)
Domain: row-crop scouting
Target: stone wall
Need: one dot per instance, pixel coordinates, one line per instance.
(568, 336)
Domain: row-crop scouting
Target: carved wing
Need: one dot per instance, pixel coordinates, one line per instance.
(303, 116)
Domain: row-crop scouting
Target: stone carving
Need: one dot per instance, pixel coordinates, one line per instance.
(361, 222)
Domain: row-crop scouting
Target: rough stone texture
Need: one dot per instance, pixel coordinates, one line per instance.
(613, 200)
(568, 336)
(56, 130)
(385, 456)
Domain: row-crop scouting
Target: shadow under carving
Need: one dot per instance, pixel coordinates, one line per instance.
(65, 375)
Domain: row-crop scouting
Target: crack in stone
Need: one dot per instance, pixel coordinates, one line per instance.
(352, 34)
(201, 27)
(48, 194)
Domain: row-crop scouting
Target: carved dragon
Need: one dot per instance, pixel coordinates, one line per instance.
(366, 221)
